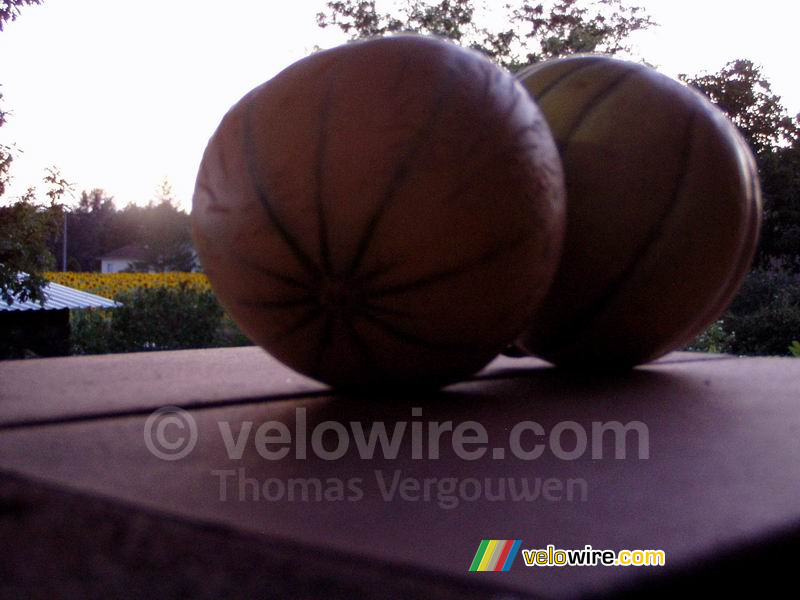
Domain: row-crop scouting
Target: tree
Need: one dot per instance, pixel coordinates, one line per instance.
(742, 91)
(166, 233)
(89, 225)
(780, 184)
(25, 226)
(97, 227)
(9, 9)
(532, 31)
(25, 230)
(6, 153)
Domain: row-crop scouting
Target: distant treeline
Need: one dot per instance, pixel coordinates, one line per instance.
(96, 227)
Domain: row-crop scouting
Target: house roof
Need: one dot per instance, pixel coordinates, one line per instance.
(132, 252)
(59, 296)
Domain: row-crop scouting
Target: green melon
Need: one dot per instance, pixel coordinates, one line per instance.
(663, 213)
(370, 214)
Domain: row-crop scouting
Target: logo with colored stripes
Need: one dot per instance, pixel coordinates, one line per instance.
(495, 555)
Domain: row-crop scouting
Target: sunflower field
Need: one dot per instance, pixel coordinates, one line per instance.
(109, 285)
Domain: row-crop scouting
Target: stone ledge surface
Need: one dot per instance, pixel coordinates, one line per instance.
(722, 475)
(70, 545)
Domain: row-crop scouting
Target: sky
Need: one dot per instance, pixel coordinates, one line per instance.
(120, 95)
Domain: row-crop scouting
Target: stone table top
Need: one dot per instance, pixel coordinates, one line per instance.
(696, 455)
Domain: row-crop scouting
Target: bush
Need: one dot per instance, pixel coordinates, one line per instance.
(164, 318)
(90, 331)
(763, 319)
(229, 334)
(767, 331)
(715, 339)
(159, 318)
(766, 287)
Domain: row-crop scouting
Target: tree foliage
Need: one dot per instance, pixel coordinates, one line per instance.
(9, 10)
(91, 231)
(530, 31)
(167, 238)
(742, 91)
(26, 229)
(764, 318)
(164, 318)
(160, 318)
(6, 153)
(780, 183)
(166, 234)
(26, 226)
(96, 227)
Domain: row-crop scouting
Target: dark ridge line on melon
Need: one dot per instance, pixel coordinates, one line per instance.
(361, 345)
(214, 204)
(223, 162)
(283, 278)
(742, 266)
(277, 304)
(323, 343)
(250, 151)
(202, 174)
(578, 325)
(581, 65)
(410, 338)
(406, 63)
(490, 255)
(492, 78)
(377, 272)
(488, 135)
(201, 182)
(372, 307)
(516, 94)
(592, 105)
(515, 90)
(511, 147)
(303, 322)
(529, 147)
(535, 128)
(510, 151)
(523, 140)
(745, 256)
(401, 172)
(484, 136)
(219, 157)
(319, 177)
(527, 129)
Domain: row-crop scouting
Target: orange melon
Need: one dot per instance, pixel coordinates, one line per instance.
(388, 211)
(663, 213)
